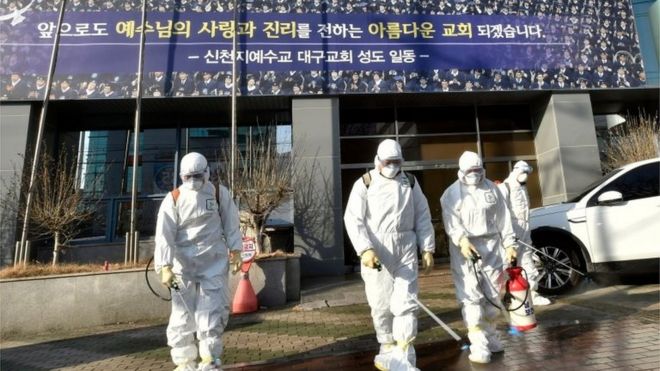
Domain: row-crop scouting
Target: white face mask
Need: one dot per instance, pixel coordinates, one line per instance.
(522, 178)
(194, 184)
(473, 179)
(390, 170)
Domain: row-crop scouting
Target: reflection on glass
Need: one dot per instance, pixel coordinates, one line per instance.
(435, 120)
(500, 117)
(508, 144)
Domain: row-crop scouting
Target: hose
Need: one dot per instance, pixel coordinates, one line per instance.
(507, 295)
(146, 278)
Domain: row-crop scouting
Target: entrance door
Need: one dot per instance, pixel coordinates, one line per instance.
(434, 182)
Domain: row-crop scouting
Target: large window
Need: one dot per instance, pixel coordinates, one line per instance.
(432, 140)
(106, 169)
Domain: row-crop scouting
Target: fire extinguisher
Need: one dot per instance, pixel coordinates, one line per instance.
(518, 301)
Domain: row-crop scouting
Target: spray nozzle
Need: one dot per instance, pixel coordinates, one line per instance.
(474, 256)
(378, 266)
(175, 286)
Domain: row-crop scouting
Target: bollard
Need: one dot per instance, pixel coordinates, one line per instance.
(20, 253)
(16, 252)
(136, 246)
(27, 252)
(127, 244)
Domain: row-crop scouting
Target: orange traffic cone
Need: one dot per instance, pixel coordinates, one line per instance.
(245, 300)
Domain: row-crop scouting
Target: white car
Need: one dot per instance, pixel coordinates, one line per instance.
(613, 225)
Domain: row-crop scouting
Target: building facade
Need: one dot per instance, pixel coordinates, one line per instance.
(541, 100)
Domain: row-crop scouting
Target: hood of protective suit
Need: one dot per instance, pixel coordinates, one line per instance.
(191, 164)
(470, 161)
(522, 167)
(520, 172)
(388, 150)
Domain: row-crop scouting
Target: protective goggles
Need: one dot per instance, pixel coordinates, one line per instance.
(198, 176)
(391, 162)
(474, 170)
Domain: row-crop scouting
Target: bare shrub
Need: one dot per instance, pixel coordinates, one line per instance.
(635, 140)
(262, 183)
(59, 207)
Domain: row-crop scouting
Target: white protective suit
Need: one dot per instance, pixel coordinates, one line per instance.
(394, 219)
(479, 213)
(193, 238)
(517, 199)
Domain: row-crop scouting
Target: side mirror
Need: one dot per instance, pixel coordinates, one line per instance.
(610, 198)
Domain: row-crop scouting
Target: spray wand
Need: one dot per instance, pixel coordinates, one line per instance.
(461, 343)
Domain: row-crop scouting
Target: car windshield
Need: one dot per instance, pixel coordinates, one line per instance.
(593, 185)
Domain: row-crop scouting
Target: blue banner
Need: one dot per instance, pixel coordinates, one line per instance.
(108, 42)
(317, 47)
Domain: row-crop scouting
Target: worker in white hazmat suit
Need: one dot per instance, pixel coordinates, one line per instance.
(387, 218)
(477, 222)
(514, 190)
(197, 239)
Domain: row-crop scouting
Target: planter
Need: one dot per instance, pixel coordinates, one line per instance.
(275, 280)
(74, 301)
(68, 302)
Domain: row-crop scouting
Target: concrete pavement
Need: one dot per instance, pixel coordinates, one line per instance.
(615, 327)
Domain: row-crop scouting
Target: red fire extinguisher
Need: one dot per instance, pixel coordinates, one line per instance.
(518, 300)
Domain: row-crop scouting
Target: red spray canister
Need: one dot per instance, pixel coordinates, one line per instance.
(519, 304)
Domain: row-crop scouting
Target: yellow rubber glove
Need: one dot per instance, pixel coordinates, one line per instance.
(369, 259)
(467, 248)
(427, 262)
(235, 261)
(511, 253)
(166, 276)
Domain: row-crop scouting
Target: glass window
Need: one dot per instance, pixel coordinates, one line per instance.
(359, 150)
(156, 173)
(437, 148)
(435, 120)
(498, 171)
(367, 121)
(102, 162)
(507, 144)
(641, 182)
(497, 118)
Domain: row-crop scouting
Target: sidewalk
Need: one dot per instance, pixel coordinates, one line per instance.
(332, 329)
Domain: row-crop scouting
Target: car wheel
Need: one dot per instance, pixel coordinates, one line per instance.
(556, 278)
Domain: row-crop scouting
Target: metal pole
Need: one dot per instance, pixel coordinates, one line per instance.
(138, 109)
(233, 101)
(42, 122)
(476, 124)
(79, 162)
(125, 165)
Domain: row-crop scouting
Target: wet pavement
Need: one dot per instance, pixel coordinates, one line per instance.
(592, 328)
(626, 344)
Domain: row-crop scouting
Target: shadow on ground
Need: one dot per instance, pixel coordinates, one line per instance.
(86, 349)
